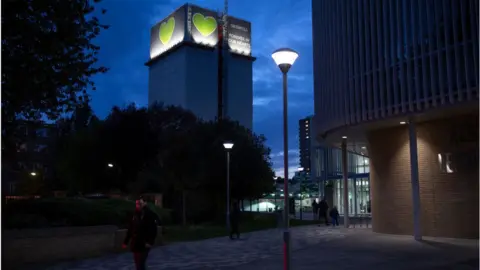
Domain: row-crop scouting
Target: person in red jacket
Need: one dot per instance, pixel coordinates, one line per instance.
(141, 233)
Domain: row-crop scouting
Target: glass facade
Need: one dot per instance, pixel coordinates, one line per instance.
(358, 195)
(327, 163)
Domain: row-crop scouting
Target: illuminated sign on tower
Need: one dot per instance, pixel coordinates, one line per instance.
(201, 26)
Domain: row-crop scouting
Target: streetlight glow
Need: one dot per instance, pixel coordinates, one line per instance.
(300, 169)
(110, 165)
(228, 145)
(284, 59)
(33, 173)
(284, 56)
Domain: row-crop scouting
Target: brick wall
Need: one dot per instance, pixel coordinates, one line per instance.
(449, 201)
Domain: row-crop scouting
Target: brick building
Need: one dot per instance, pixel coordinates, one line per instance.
(398, 82)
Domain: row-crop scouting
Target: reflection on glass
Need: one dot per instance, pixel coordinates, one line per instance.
(358, 196)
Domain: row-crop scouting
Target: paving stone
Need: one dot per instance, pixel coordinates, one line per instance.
(214, 253)
(313, 248)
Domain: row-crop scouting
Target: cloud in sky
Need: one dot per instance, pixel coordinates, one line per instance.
(286, 23)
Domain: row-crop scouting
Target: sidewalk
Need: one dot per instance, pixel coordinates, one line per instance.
(216, 253)
(313, 248)
(367, 250)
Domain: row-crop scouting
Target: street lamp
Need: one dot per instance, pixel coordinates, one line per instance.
(228, 146)
(110, 165)
(284, 58)
(275, 198)
(33, 173)
(301, 197)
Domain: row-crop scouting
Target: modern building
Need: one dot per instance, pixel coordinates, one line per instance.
(184, 65)
(304, 138)
(398, 81)
(328, 171)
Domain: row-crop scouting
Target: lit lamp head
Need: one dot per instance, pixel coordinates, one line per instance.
(284, 58)
(33, 173)
(228, 145)
(110, 165)
(300, 169)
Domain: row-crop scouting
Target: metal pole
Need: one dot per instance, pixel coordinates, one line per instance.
(286, 232)
(275, 196)
(346, 220)
(228, 191)
(417, 234)
(301, 198)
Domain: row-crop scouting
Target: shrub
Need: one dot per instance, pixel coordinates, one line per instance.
(71, 212)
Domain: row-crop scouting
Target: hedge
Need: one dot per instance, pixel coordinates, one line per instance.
(41, 213)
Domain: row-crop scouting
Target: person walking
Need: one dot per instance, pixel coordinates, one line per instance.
(334, 216)
(141, 234)
(315, 209)
(234, 221)
(322, 210)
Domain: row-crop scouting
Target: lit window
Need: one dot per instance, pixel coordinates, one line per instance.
(445, 162)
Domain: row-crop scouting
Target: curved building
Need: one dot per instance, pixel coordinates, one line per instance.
(398, 81)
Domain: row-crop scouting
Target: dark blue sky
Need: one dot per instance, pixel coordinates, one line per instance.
(275, 24)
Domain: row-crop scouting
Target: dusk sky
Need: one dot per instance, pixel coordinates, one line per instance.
(275, 24)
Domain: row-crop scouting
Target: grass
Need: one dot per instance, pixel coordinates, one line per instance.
(205, 231)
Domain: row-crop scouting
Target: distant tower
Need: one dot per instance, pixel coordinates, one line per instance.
(304, 137)
(194, 60)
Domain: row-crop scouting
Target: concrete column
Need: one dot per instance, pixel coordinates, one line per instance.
(325, 175)
(346, 221)
(417, 233)
(355, 199)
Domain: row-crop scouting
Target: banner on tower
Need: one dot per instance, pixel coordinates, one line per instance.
(202, 24)
(239, 36)
(167, 33)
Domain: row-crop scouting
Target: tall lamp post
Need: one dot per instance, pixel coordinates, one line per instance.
(228, 146)
(275, 198)
(284, 58)
(301, 195)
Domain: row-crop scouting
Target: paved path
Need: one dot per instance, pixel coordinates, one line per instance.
(217, 253)
(313, 248)
(366, 250)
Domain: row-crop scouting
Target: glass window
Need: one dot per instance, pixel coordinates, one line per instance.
(362, 195)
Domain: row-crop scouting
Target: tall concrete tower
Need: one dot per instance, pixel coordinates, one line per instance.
(183, 65)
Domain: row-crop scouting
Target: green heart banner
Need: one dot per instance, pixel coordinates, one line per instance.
(166, 30)
(205, 25)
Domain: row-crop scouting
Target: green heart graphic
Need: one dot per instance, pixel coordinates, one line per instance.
(205, 25)
(166, 30)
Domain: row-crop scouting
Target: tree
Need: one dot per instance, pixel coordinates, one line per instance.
(176, 164)
(48, 56)
(250, 168)
(31, 185)
(168, 150)
(82, 162)
(48, 60)
(129, 143)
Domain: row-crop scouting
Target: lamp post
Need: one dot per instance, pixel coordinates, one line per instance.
(228, 146)
(275, 198)
(301, 196)
(284, 58)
